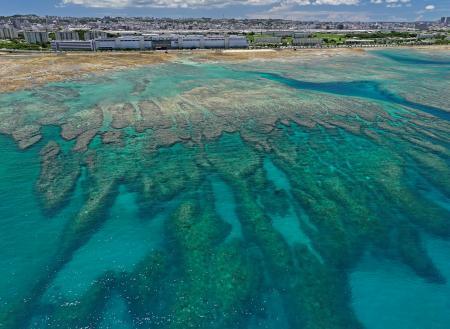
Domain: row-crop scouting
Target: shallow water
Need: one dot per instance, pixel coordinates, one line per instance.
(300, 193)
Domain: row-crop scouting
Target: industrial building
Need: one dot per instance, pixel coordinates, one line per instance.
(8, 33)
(36, 37)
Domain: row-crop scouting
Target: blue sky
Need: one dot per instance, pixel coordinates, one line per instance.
(336, 10)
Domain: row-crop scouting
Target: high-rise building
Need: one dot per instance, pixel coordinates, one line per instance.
(95, 34)
(67, 35)
(17, 23)
(36, 37)
(7, 32)
(445, 20)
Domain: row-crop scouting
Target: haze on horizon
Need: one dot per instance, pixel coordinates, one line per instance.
(322, 10)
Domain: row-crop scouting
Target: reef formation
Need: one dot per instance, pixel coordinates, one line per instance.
(267, 182)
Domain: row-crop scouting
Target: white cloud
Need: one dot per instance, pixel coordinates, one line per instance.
(318, 2)
(335, 2)
(429, 7)
(97, 3)
(393, 3)
(117, 4)
(288, 11)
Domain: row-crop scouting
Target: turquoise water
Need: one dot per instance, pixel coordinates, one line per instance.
(366, 89)
(290, 193)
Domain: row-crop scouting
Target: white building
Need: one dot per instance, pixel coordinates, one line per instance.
(123, 43)
(192, 41)
(130, 42)
(214, 41)
(163, 41)
(308, 42)
(36, 37)
(282, 33)
(236, 41)
(302, 35)
(267, 40)
(62, 45)
(67, 35)
(8, 33)
(146, 42)
(425, 36)
(359, 41)
(105, 44)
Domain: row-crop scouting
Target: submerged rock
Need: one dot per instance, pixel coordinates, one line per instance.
(27, 136)
(83, 140)
(82, 122)
(122, 115)
(58, 176)
(112, 137)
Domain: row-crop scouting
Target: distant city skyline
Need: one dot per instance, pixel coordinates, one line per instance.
(322, 10)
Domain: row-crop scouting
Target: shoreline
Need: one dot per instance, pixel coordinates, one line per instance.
(26, 70)
(4, 52)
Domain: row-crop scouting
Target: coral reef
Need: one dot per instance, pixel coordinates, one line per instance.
(318, 173)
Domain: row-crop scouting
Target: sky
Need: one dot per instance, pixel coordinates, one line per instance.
(323, 10)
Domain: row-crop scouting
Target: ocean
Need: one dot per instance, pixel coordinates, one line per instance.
(295, 192)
